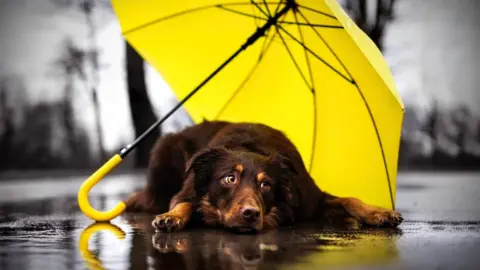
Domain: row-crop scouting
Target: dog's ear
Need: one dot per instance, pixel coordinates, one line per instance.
(198, 169)
(201, 166)
(290, 192)
(288, 173)
(284, 162)
(203, 159)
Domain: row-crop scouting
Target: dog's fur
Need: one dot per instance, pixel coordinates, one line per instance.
(240, 176)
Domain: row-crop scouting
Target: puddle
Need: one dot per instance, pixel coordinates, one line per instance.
(48, 232)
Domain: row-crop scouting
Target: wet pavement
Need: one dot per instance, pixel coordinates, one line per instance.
(41, 228)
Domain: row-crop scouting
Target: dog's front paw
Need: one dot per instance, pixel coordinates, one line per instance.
(384, 218)
(168, 222)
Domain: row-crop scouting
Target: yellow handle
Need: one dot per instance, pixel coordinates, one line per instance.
(83, 202)
(90, 259)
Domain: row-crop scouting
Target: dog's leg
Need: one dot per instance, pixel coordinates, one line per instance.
(141, 201)
(181, 209)
(353, 210)
(166, 170)
(175, 219)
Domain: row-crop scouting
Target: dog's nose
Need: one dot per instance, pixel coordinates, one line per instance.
(250, 213)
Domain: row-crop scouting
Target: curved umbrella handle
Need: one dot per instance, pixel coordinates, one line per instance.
(83, 202)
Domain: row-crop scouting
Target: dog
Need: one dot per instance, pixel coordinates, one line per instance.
(242, 177)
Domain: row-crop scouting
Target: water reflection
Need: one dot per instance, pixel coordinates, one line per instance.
(297, 248)
(90, 258)
(288, 248)
(42, 228)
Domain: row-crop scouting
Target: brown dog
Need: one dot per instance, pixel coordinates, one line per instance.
(244, 177)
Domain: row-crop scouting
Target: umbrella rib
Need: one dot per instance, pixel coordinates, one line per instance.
(368, 109)
(326, 44)
(293, 59)
(241, 13)
(316, 56)
(306, 53)
(259, 8)
(266, 46)
(313, 25)
(379, 143)
(181, 13)
(278, 7)
(307, 58)
(317, 11)
(268, 9)
(255, 12)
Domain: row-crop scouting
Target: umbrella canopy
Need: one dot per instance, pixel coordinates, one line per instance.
(300, 66)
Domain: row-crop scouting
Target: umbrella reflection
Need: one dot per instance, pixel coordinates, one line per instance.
(92, 261)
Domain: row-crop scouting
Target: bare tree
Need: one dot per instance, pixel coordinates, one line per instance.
(477, 131)
(87, 7)
(431, 123)
(140, 107)
(27, 144)
(7, 129)
(70, 64)
(371, 16)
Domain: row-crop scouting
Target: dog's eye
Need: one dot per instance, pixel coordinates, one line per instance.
(229, 179)
(265, 185)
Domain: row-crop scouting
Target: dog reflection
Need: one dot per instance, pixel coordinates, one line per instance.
(245, 254)
(213, 251)
(168, 243)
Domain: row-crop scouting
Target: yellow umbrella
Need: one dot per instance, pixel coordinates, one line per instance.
(301, 66)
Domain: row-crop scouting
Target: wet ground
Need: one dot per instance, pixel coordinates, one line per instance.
(41, 228)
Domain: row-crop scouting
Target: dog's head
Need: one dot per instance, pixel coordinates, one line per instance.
(243, 191)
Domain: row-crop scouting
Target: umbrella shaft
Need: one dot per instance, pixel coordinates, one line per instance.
(273, 20)
(258, 34)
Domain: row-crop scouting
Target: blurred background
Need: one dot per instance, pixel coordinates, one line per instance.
(72, 92)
